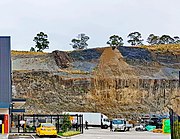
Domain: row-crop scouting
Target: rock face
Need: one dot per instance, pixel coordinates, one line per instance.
(117, 85)
(49, 93)
(125, 81)
(41, 62)
(62, 59)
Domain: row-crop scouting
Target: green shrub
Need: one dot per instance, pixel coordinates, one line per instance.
(69, 133)
(66, 123)
(60, 133)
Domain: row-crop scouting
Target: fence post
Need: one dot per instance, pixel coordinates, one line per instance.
(18, 123)
(34, 122)
(51, 118)
(82, 123)
(58, 123)
(171, 122)
(77, 122)
(81, 129)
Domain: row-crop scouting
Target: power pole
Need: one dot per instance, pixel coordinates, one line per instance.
(179, 78)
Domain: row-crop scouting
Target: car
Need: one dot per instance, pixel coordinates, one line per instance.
(121, 125)
(140, 127)
(46, 129)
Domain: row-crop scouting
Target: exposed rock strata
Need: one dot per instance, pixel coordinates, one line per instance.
(123, 83)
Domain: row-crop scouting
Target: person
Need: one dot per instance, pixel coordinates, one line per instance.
(86, 125)
(22, 122)
(110, 126)
(12, 124)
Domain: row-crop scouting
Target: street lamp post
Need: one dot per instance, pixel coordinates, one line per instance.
(179, 78)
(164, 96)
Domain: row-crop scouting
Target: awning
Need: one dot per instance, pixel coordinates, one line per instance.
(17, 102)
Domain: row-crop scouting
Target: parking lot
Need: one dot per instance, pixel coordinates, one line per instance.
(32, 136)
(97, 133)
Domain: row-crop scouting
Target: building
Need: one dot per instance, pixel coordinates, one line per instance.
(6, 101)
(5, 83)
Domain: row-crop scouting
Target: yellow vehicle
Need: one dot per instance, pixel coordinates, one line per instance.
(46, 129)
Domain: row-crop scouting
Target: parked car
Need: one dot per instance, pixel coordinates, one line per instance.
(152, 120)
(120, 125)
(149, 120)
(140, 127)
(46, 129)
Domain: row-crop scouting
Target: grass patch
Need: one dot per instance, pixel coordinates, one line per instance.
(13, 52)
(162, 47)
(69, 133)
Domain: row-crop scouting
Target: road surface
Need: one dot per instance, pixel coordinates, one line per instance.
(97, 133)
(106, 134)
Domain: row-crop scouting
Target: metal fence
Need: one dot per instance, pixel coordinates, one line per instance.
(28, 123)
(175, 125)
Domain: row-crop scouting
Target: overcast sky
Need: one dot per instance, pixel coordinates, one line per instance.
(63, 20)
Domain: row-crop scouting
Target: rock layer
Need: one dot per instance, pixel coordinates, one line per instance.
(125, 82)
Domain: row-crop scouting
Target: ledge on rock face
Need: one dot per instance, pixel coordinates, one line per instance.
(62, 59)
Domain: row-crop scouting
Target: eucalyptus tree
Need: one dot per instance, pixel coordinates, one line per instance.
(115, 41)
(153, 39)
(80, 42)
(135, 38)
(166, 39)
(176, 40)
(41, 40)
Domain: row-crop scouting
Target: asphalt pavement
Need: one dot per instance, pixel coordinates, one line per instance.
(20, 137)
(30, 136)
(106, 134)
(97, 133)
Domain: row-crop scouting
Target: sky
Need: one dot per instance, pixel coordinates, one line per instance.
(63, 20)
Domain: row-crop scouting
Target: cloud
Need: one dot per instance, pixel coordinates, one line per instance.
(64, 19)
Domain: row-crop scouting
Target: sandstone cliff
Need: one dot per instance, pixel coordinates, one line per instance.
(125, 81)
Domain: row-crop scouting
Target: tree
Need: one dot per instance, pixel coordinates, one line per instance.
(135, 38)
(152, 39)
(66, 125)
(115, 41)
(32, 49)
(75, 43)
(166, 39)
(176, 40)
(80, 42)
(41, 42)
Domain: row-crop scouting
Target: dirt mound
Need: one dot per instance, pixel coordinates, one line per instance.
(113, 65)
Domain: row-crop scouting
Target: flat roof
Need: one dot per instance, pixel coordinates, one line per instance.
(18, 100)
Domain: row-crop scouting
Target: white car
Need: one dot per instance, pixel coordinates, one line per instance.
(140, 127)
